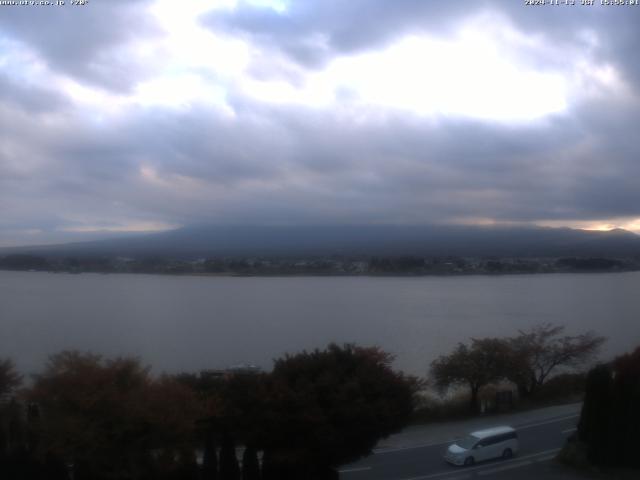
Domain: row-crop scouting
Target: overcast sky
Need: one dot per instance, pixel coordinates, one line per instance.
(142, 115)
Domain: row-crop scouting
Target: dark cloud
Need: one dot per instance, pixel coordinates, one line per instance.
(82, 41)
(314, 31)
(32, 98)
(566, 29)
(462, 168)
(282, 165)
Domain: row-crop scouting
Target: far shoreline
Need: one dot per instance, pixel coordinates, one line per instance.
(328, 275)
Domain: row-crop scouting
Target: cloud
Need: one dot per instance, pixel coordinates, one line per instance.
(85, 42)
(314, 31)
(33, 99)
(309, 120)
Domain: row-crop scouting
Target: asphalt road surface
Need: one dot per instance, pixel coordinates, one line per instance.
(539, 443)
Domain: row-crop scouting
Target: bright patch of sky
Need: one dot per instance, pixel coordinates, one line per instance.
(468, 75)
(133, 227)
(604, 225)
(472, 74)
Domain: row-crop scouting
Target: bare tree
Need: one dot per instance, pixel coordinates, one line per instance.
(539, 351)
(475, 366)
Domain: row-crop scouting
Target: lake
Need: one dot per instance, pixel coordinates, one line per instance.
(183, 323)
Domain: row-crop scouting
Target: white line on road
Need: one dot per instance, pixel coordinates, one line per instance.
(435, 444)
(548, 422)
(351, 470)
(505, 467)
(531, 456)
(546, 458)
(569, 430)
(422, 445)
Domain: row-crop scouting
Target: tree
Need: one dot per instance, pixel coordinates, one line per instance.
(108, 417)
(539, 351)
(24, 262)
(250, 464)
(328, 407)
(235, 409)
(626, 398)
(610, 418)
(172, 412)
(13, 439)
(209, 458)
(10, 379)
(593, 427)
(229, 468)
(484, 361)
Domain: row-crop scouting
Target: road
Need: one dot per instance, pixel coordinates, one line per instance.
(540, 441)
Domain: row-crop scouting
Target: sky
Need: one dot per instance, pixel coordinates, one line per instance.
(145, 115)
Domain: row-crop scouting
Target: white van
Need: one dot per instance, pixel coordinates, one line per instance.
(497, 442)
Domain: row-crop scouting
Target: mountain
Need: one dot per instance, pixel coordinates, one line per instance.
(364, 240)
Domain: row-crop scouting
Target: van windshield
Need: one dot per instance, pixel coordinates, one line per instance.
(467, 442)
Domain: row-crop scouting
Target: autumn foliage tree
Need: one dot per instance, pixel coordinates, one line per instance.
(474, 366)
(328, 407)
(110, 418)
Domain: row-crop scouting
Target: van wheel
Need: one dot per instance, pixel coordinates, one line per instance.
(507, 453)
(469, 461)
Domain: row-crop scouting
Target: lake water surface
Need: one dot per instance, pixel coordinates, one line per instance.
(177, 323)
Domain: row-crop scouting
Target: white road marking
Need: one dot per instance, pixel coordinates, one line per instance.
(505, 467)
(520, 459)
(546, 458)
(351, 470)
(548, 422)
(569, 430)
(447, 442)
(422, 445)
